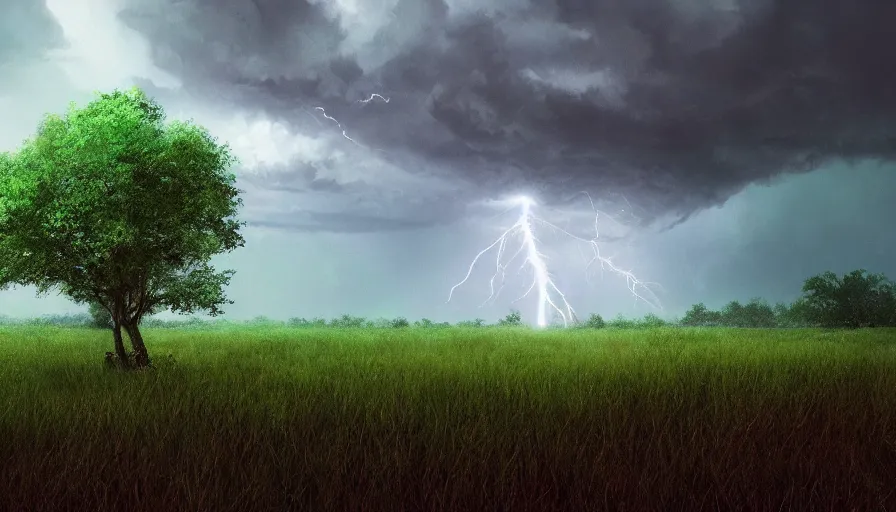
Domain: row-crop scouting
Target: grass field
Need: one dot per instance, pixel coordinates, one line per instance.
(451, 419)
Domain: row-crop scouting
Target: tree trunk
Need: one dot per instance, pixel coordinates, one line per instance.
(119, 346)
(141, 355)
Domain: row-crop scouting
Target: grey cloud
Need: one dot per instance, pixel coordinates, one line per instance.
(299, 177)
(334, 222)
(676, 105)
(227, 40)
(27, 30)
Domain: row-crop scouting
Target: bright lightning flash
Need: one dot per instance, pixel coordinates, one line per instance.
(542, 282)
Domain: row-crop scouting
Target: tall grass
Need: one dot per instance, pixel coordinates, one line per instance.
(451, 419)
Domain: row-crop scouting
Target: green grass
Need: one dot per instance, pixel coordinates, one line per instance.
(451, 419)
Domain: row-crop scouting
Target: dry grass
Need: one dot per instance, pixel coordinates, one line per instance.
(476, 419)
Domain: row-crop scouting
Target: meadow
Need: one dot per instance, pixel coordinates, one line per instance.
(517, 419)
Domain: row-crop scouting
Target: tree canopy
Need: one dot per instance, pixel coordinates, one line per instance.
(858, 299)
(110, 204)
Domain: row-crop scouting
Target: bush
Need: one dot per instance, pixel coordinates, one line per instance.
(651, 321)
(400, 323)
(513, 319)
(595, 321)
(348, 321)
(620, 322)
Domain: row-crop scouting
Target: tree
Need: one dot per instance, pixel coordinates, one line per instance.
(109, 203)
(477, 322)
(621, 322)
(100, 316)
(651, 321)
(733, 314)
(425, 323)
(701, 316)
(348, 321)
(513, 319)
(400, 323)
(858, 299)
(783, 315)
(758, 313)
(595, 321)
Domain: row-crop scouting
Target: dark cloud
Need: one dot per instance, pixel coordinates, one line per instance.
(676, 105)
(338, 222)
(236, 40)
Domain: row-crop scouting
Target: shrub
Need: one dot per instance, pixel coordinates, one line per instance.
(513, 319)
(400, 323)
(595, 321)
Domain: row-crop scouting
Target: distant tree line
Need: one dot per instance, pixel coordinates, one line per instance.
(857, 299)
(854, 300)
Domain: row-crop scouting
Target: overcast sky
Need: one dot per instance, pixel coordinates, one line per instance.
(732, 147)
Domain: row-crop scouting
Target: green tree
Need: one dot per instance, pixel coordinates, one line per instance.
(701, 316)
(348, 321)
(102, 319)
(109, 203)
(794, 314)
(595, 321)
(477, 322)
(513, 319)
(858, 299)
(400, 323)
(621, 322)
(758, 313)
(733, 315)
(651, 321)
(782, 314)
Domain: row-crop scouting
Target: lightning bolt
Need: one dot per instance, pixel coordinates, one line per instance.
(542, 281)
(331, 118)
(372, 96)
(341, 128)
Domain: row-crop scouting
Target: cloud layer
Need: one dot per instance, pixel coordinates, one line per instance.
(669, 106)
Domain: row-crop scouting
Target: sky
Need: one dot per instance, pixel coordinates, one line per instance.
(731, 148)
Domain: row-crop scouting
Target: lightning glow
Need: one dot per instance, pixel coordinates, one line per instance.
(549, 295)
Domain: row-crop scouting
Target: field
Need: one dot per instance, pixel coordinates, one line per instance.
(451, 419)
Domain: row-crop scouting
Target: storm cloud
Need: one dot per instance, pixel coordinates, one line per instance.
(674, 105)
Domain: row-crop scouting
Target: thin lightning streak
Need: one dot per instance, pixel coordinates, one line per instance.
(372, 96)
(542, 281)
(341, 128)
(324, 112)
(634, 284)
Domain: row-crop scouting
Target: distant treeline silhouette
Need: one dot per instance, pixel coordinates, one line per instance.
(857, 299)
